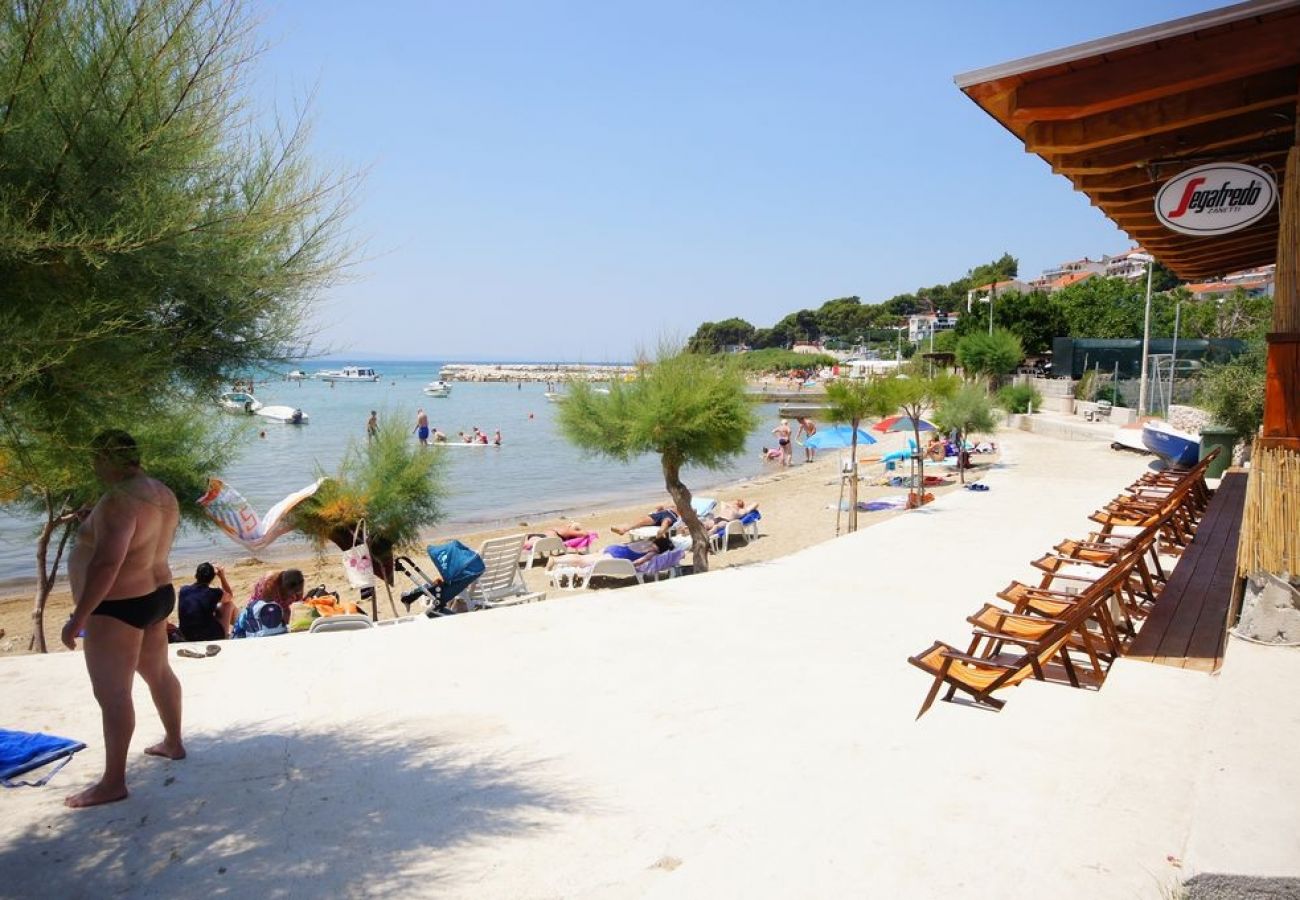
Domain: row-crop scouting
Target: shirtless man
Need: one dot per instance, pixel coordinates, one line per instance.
(422, 427)
(806, 430)
(122, 588)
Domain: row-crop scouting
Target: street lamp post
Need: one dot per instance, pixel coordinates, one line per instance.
(1146, 340)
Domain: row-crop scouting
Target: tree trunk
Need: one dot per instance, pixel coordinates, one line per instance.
(44, 584)
(920, 461)
(681, 495)
(853, 478)
(47, 572)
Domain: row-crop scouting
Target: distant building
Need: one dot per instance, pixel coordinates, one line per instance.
(1074, 267)
(735, 348)
(923, 326)
(1255, 282)
(809, 347)
(997, 289)
(1064, 281)
(1130, 265)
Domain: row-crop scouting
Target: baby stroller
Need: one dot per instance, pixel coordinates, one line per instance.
(457, 564)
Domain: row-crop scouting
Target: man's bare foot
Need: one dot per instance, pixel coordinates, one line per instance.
(96, 795)
(167, 750)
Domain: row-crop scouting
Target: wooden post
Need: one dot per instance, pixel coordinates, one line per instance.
(1282, 388)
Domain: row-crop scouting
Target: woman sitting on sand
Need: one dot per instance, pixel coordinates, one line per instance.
(663, 518)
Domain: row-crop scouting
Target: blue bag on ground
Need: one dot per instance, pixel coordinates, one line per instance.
(458, 565)
(22, 751)
(261, 618)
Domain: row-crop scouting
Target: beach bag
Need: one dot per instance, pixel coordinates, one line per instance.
(301, 616)
(261, 618)
(357, 565)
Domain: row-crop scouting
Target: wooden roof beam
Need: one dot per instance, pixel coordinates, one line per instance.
(1200, 61)
(1247, 130)
(1221, 101)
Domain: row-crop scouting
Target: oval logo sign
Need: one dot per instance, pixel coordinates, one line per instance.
(1215, 199)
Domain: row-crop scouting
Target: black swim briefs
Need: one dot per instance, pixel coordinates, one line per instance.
(140, 612)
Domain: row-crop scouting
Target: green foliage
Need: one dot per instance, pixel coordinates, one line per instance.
(852, 400)
(1111, 395)
(1003, 269)
(1104, 307)
(150, 240)
(685, 407)
(777, 360)
(178, 448)
(1233, 392)
(1016, 398)
(1086, 386)
(946, 341)
(1237, 315)
(712, 337)
(393, 483)
(966, 411)
(989, 354)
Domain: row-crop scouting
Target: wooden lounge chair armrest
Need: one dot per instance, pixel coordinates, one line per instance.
(976, 660)
(1009, 638)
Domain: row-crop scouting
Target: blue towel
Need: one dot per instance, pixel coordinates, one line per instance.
(750, 517)
(22, 751)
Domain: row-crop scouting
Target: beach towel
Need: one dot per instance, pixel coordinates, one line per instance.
(582, 542)
(880, 505)
(23, 751)
(236, 517)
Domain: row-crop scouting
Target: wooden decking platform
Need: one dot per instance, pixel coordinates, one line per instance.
(1188, 626)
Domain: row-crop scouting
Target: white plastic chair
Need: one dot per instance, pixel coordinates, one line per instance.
(346, 622)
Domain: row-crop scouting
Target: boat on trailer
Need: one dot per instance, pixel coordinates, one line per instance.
(1173, 446)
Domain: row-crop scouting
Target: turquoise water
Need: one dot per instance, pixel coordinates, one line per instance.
(534, 472)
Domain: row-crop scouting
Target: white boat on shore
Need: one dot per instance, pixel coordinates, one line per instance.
(241, 403)
(349, 373)
(438, 389)
(285, 415)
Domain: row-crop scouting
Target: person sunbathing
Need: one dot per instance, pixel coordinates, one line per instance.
(566, 532)
(727, 511)
(638, 552)
(662, 518)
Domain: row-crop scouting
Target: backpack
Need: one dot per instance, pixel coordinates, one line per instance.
(261, 618)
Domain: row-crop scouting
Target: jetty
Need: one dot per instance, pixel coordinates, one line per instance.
(534, 372)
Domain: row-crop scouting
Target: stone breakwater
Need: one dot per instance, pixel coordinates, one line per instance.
(539, 372)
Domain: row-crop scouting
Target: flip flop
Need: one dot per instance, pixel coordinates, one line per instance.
(210, 650)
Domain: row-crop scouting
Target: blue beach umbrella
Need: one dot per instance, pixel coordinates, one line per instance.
(834, 437)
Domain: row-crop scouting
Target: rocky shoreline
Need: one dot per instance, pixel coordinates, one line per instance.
(535, 372)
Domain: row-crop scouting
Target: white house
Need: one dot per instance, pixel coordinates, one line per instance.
(923, 326)
(996, 289)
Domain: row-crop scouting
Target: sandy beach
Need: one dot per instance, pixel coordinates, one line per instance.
(749, 732)
(797, 503)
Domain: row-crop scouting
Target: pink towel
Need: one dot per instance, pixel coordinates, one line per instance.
(583, 542)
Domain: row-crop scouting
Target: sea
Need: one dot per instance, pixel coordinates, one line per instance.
(533, 475)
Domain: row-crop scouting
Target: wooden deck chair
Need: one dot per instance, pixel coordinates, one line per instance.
(994, 627)
(980, 677)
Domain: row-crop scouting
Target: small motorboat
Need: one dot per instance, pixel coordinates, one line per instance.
(1175, 447)
(555, 397)
(285, 415)
(438, 389)
(297, 375)
(241, 403)
(1129, 437)
(349, 373)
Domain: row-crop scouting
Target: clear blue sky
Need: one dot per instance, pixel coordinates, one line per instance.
(573, 180)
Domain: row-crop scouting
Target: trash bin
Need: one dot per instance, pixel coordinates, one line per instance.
(1223, 438)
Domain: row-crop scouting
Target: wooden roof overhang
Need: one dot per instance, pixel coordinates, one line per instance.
(1120, 116)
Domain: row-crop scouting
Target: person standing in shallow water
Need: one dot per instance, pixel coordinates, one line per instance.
(422, 427)
(372, 426)
(122, 590)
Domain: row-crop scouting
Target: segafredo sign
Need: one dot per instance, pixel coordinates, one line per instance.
(1215, 199)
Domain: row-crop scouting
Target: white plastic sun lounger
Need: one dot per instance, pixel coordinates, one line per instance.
(502, 582)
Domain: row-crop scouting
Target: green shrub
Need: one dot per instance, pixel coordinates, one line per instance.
(1016, 398)
(1111, 394)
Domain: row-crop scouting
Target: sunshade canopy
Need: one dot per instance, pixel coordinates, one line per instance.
(1120, 116)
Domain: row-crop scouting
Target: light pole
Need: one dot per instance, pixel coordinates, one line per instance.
(1146, 336)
